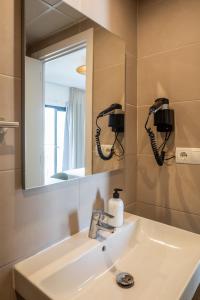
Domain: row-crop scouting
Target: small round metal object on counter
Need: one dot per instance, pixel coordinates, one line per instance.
(103, 248)
(125, 280)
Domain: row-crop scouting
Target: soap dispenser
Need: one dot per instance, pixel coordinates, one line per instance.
(116, 209)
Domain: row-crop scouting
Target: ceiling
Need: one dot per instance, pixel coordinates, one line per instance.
(43, 18)
(62, 70)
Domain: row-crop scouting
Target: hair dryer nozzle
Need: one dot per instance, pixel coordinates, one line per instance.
(158, 104)
(109, 109)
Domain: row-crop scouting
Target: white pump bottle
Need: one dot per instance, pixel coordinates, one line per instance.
(116, 209)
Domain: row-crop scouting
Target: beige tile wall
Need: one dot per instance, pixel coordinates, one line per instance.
(32, 220)
(108, 88)
(169, 66)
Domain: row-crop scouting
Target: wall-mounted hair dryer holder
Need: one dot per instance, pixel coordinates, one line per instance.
(164, 121)
(116, 122)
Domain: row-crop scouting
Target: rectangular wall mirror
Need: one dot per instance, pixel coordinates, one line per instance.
(73, 69)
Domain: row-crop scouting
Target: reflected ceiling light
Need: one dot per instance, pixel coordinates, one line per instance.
(81, 70)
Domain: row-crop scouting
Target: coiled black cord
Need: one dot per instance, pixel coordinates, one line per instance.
(159, 156)
(98, 143)
(121, 154)
(112, 150)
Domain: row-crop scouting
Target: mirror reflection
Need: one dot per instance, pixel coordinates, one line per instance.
(61, 110)
(73, 69)
(64, 115)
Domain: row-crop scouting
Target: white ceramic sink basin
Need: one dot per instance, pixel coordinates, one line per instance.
(163, 260)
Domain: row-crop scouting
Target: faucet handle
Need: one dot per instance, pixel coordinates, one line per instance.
(96, 215)
(105, 214)
(100, 215)
(98, 223)
(101, 212)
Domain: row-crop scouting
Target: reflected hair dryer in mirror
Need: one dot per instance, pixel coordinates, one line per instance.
(110, 109)
(116, 122)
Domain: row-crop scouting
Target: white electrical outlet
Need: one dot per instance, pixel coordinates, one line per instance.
(105, 149)
(188, 156)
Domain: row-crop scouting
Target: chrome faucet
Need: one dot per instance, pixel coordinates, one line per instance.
(97, 223)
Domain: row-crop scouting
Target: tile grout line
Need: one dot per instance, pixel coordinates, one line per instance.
(132, 105)
(168, 208)
(151, 4)
(188, 45)
(10, 76)
(177, 102)
(10, 170)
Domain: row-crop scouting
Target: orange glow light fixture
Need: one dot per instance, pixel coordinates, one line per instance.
(81, 70)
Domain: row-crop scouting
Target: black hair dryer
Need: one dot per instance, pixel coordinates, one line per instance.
(164, 122)
(116, 122)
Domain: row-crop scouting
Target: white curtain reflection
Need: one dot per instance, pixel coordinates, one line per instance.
(73, 156)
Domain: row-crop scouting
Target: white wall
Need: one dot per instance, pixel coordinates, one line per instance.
(56, 94)
(34, 120)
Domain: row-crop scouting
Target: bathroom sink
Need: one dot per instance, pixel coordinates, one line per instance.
(163, 260)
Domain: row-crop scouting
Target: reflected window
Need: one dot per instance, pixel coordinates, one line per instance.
(55, 117)
(54, 139)
(64, 95)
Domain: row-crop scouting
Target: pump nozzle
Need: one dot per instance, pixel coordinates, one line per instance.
(116, 192)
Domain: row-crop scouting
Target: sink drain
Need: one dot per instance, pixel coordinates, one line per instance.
(125, 280)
